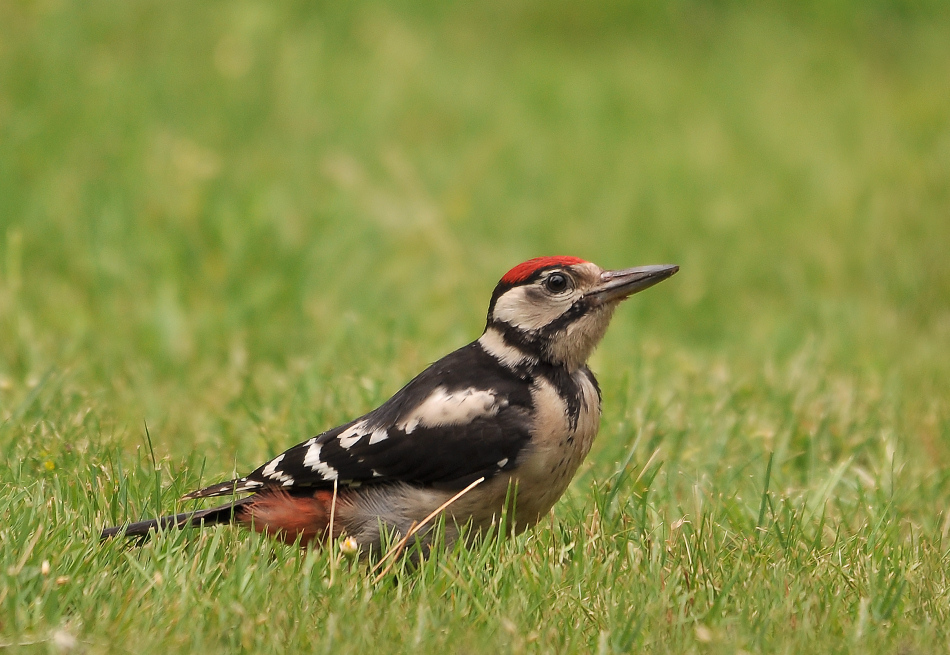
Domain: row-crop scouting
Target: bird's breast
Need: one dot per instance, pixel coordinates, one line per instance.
(566, 420)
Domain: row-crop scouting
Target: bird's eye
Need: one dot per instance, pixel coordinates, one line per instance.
(557, 283)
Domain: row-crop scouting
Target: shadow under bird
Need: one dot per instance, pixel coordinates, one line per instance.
(516, 409)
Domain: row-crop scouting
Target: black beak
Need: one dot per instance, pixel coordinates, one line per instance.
(617, 285)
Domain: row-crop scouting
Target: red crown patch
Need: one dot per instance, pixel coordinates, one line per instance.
(524, 270)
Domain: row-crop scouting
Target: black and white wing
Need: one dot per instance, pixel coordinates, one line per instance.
(438, 430)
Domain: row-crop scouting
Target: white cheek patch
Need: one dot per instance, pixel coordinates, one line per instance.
(515, 307)
(313, 461)
(455, 408)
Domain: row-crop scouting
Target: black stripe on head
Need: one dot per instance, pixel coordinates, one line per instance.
(530, 343)
(533, 342)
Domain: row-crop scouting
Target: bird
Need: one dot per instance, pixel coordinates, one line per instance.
(500, 424)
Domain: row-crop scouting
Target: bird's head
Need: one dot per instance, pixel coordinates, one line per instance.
(556, 309)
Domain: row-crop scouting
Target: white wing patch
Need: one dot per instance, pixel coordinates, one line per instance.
(456, 408)
(312, 459)
(351, 435)
(270, 471)
(378, 435)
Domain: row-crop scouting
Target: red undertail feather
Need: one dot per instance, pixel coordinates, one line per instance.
(286, 517)
(524, 270)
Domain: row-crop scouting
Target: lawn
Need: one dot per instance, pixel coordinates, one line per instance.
(228, 226)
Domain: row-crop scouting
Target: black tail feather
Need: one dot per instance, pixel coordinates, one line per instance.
(210, 516)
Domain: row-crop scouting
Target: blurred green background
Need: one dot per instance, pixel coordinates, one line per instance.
(191, 191)
(243, 222)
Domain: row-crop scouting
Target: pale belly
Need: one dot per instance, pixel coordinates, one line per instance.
(557, 451)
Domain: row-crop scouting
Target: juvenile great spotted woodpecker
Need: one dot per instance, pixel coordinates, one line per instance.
(517, 409)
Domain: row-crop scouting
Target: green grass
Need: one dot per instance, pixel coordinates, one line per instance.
(242, 223)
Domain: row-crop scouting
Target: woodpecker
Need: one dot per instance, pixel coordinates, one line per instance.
(517, 409)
